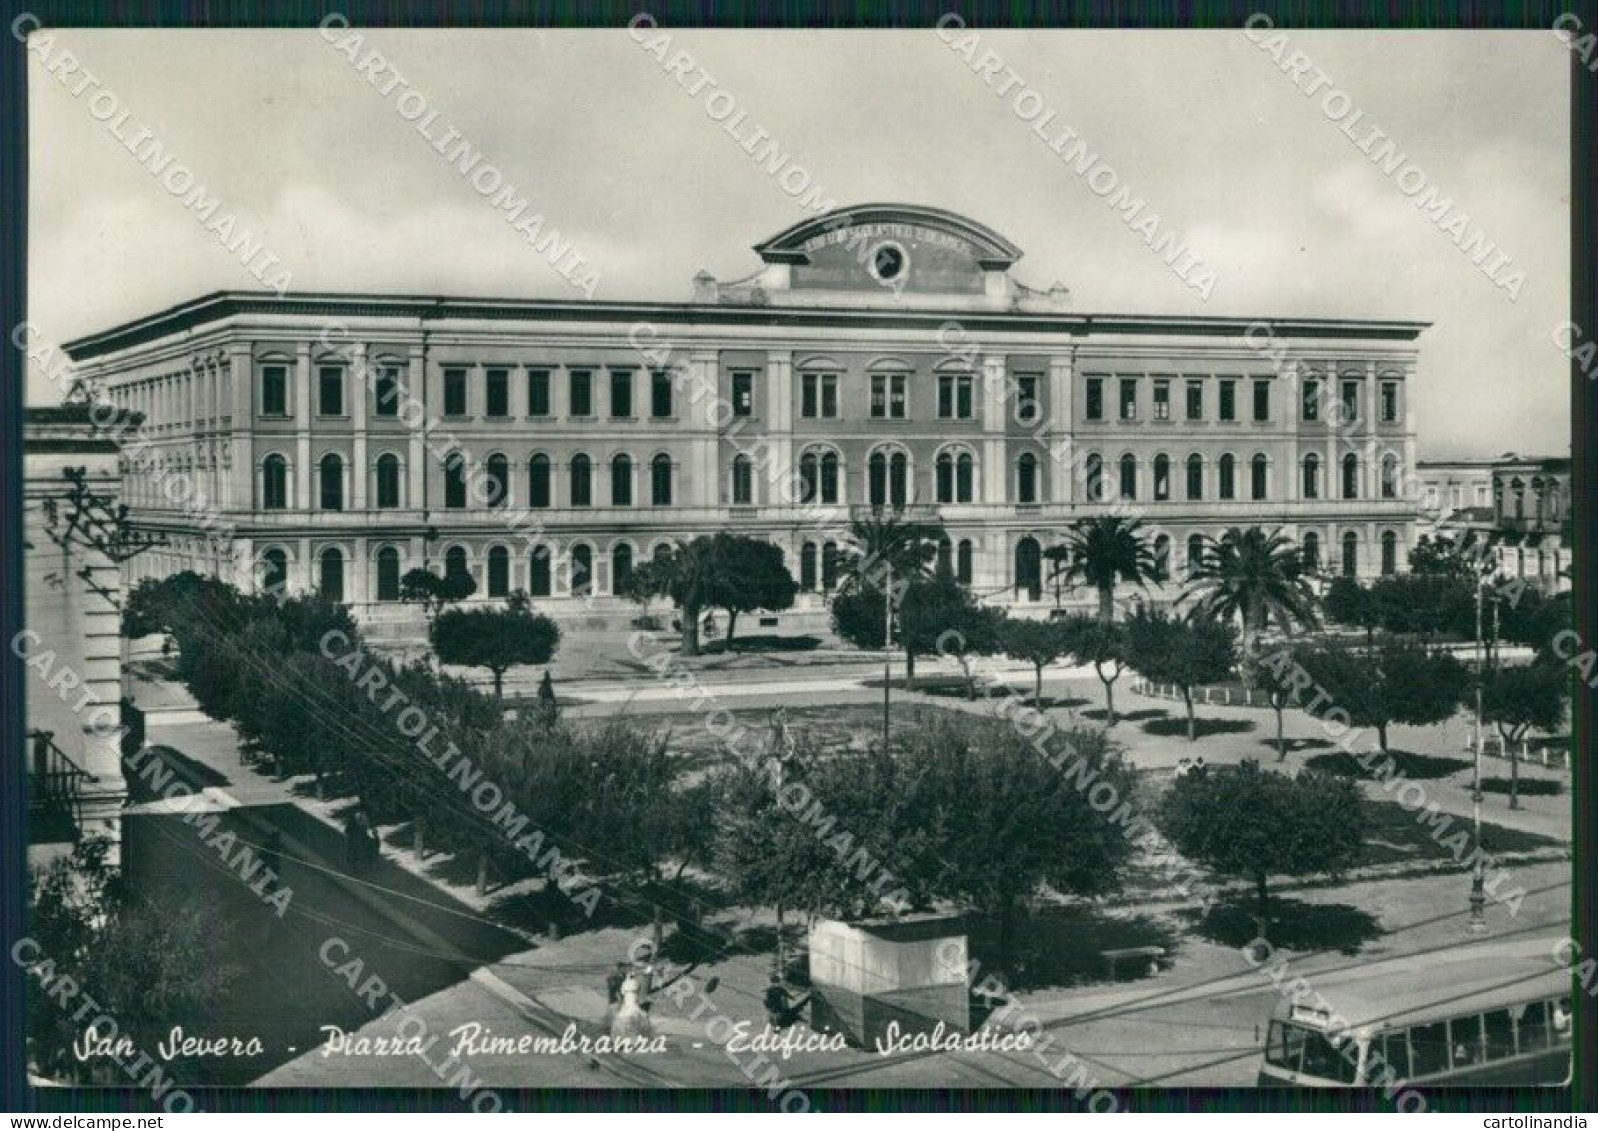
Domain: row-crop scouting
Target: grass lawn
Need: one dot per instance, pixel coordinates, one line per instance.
(1396, 834)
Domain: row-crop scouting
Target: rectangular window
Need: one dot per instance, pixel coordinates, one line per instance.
(954, 397)
(454, 392)
(1026, 398)
(538, 392)
(1389, 402)
(743, 394)
(1128, 398)
(1095, 398)
(1162, 400)
(496, 392)
(330, 390)
(888, 396)
(1311, 409)
(820, 395)
(1350, 401)
(829, 395)
(1228, 400)
(386, 391)
(581, 393)
(1195, 399)
(660, 406)
(621, 394)
(1262, 401)
(275, 390)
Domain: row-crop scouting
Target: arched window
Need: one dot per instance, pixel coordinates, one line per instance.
(898, 479)
(809, 478)
(274, 571)
(1259, 476)
(455, 562)
(388, 481)
(582, 570)
(964, 477)
(388, 574)
(743, 481)
(1026, 478)
(582, 481)
(331, 579)
(1389, 476)
(1195, 477)
(274, 483)
(1129, 476)
(829, 566)
(945, 566)
(1227, 489)
(1351, 476)
(1350, 554)
(330, 482)
(1518, 489)
(1195, 551)
(1162, 477)
(1029, 568)
(660, 480)
(538, 572)
(829, 477)
(621, 481)
(455, 481)
(621, 568)
(877, 479)
(807, 567)
(954, 474)
(497, 480)
(1094, 476)
(538, 480)
(498, 572)
(1312, 552)
(963, 567)
(1390, 553)
(1312, 476)
(1162, 557)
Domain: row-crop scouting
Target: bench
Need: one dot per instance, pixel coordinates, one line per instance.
(1152, 954)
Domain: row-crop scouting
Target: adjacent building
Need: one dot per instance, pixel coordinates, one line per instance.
(882, 357)
(1519, 505)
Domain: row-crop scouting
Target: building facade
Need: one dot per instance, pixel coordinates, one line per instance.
(72, 645)
(1521, 507)
(880, 357)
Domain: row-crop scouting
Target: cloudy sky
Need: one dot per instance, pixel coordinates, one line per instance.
(1294, 219)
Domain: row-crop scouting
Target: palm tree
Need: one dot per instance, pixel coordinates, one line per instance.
(1257, 577)
(1103, 551)
(885, 541)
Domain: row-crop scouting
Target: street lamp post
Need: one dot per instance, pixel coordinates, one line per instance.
(1478, 897)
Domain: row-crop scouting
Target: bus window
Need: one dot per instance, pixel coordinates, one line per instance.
(1464, 1035)
(1428, 1045)
(1562, 1020)
(1327, 1061)
(1285, 1047)
(1395, 1054)
(1500, 1032)
(1534, 1027)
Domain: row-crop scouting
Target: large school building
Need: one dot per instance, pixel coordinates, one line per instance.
(881, 357)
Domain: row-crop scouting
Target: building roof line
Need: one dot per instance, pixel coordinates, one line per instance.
(227, 303)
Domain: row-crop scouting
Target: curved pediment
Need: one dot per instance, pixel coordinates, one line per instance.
(893, 223)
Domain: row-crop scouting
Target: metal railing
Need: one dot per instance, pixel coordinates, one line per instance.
(55, 788)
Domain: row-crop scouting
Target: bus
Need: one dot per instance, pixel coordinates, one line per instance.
(1477, 1014)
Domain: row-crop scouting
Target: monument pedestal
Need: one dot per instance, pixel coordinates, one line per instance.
(865, 976)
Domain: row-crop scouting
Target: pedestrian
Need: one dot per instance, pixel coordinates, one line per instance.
(781, 1010)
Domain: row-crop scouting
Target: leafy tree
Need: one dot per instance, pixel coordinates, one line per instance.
(1037, 642)
(750, 575)
(692, 576)
(1392, 683)
(1273, 675)
(1187, 652)
(496, 639)
(1092, 641)
(1443, 557)
(1254, 824)
(925, 609)
(969, 630)
(435, 592)
(1104, 551)
(1350, 603)
(998, 824)
(1521, 699)
(1256, 578)
(1423, 604)
(150, 967)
